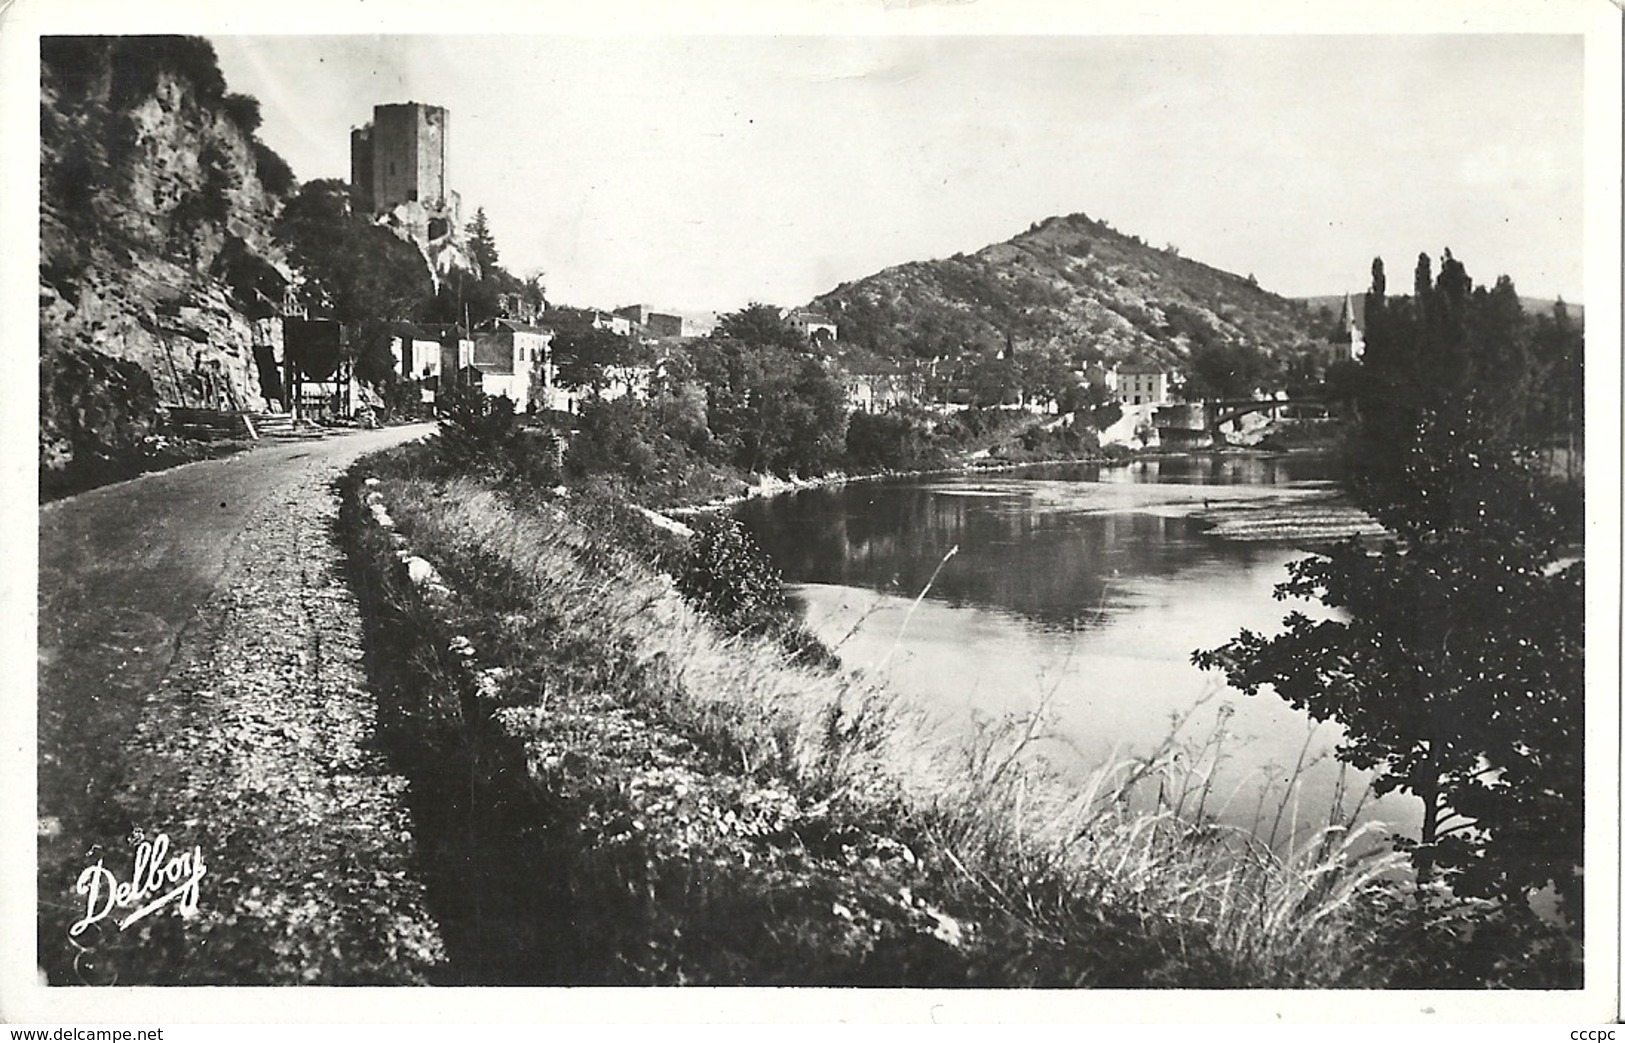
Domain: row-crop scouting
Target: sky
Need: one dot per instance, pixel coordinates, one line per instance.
(708, 171)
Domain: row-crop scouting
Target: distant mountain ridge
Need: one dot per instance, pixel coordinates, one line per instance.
(1071, 284)
(1333, 303)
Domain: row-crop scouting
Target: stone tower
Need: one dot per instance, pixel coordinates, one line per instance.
(400, 157)
(398, 175)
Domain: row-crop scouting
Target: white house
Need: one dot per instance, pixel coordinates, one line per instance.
(812, 325)
(424, 352)
(507, 354)
(1142, 383)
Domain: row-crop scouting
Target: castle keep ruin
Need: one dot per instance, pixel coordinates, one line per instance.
(398, 174)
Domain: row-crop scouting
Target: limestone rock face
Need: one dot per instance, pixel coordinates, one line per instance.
(156, 247)
(437, 233)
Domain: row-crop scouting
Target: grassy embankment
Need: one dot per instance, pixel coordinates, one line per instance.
(610, 789)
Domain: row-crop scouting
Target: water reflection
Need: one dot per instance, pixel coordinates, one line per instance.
(1047, 546)
(1082, 586)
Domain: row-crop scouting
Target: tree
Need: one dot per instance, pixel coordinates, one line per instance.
(1094, 404)
(993, 381)
(1557, 408)
(1344, 384)
(355, 272)
(814, 417)
(587, 355)
(771, 405)
(759, 325)
(1456, 663)
(482, 245)
(1045, 376)
(1219, 369)
(889, 440)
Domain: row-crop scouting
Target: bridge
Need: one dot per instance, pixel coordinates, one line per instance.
(1224, 410)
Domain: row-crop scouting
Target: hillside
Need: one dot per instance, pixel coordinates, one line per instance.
(158, 272)
(1069, 283)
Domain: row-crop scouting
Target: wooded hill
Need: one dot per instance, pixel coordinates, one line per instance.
(1067, 284)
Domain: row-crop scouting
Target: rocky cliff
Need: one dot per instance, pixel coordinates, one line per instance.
(158, 272)
(1071, 283)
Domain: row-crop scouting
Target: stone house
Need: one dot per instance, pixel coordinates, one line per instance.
(813, 326)
(507, 355)
(877, 385)
(651, 324)
(1143, 383)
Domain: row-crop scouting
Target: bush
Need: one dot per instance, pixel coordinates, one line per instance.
(1063, 441)
(481, 436)
(727, 575)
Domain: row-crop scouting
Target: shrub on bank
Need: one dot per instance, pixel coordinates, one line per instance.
(727, 576)
(480, 435)
(724, 573)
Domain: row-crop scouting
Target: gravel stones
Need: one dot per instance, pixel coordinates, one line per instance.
(256, 747)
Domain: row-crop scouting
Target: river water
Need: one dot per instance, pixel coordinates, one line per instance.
(1084, 589)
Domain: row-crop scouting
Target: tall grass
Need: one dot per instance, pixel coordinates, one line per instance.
(1005, 833)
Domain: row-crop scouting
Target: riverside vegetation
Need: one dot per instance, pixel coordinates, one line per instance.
(632, 766)
(648, 789)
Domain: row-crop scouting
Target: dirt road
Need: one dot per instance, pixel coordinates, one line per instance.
(199, 654)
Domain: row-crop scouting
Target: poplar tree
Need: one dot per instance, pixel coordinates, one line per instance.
(1455, 663)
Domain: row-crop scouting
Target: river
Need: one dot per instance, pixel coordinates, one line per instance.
(1083, 589)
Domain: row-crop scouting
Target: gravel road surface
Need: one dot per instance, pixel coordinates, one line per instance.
(200, 675)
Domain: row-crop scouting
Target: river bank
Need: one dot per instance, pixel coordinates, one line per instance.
(772, 485)
(705, 810)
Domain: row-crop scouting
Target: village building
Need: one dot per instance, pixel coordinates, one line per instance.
(1182, 425)
(423, 351)
(619, 325)
(811, 325)
(1143, 383)
(427, 354)
(507, 355)
(456, 352)
(520, 308)
(876, 385)
(660, 325)
(651, 324)
(636, 314)
(589, 318)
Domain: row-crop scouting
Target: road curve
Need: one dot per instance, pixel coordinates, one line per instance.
(144, 587)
